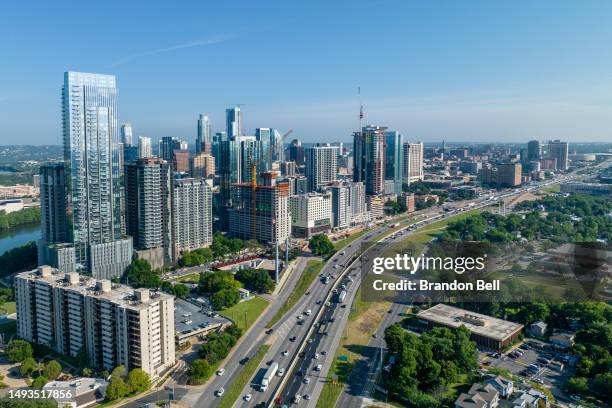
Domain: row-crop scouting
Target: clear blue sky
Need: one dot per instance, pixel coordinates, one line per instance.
(458, 70)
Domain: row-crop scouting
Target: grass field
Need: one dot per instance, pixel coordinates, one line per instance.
(191, 278)
(313, 268)
(234, 390)
(8, 307)
(344, 242)
(245, 313)
(553, 188)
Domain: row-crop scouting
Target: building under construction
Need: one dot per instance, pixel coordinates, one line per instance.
(261, 211)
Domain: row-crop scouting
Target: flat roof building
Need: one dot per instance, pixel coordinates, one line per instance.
(487, 331)
(113, 324)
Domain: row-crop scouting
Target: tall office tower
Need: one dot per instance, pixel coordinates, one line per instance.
(413, 162)
(192, 215)
(229, 174)
(369, 154)
(184, 145)
(272, 223)
(278, 147)
(534, 150)
(233, 121)
(263, 136)
(127, 137)
(53, 203)
(296, 152)
(167, 146)
(180, 161)
(250, 151)
(204, 132)
(321, 165)
(559, 150)
(92, 160)
(148, 206)
(144, 147)
(310, 214)
(357, 201)
(394, 159)
(341, 205)
(288, 168)
(110, 324)
(202, 165)
(215, 148)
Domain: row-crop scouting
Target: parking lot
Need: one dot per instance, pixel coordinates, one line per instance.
(524, 361)
(190, 319)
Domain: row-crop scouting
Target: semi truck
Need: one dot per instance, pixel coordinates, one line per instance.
(268, 376)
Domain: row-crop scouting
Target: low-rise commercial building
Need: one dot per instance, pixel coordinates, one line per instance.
(487, 331)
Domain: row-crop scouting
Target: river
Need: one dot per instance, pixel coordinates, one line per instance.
(18, 236)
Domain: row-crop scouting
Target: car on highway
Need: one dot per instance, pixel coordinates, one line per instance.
(307, 397)
(220, 392)
(308, 312)
(285, 352)
(220, 372)
(280, 372)
(306, 380)
(309, 341)
(244, 360)
(296, 399)
(323, 352)
(318, 367)
(299, 373)
(292, 338)
(315, 356)
(248, 397)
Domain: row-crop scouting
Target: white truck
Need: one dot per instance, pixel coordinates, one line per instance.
(341, 296)
(268, 376)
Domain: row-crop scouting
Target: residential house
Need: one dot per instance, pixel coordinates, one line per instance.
(504, 386)
(479, 396)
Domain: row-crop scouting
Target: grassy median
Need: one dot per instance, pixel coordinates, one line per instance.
(312, 270)
(233, 391)
(245, 313)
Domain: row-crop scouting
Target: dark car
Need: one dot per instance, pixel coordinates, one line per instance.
(299, 373)
(292, 339)
(244, 360)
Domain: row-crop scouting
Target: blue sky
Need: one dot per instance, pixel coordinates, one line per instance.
(454, 70)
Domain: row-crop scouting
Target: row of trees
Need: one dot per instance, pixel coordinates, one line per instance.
(21, 217)
(221, 247)
(18, 259)
(424, 365)
(216, 348)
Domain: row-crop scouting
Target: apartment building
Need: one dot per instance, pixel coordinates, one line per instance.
(191, 215)
(310, 214)
(114, 324)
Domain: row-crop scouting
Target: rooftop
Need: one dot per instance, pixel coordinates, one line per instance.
(480, 324)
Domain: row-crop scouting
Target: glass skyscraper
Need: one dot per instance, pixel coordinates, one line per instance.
(92, 159)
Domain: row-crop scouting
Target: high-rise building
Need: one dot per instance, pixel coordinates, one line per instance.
(559, 150)
(251, 151)
(180, 161)
(92, 160)
(127, 135)
(144, 147)
(310, 214)
(534, 150)
(413, 162)
(111, 324)
(278, 148)
(148, 205)
(167, 146)
(288, 168)
(341, 205)
(369, 154)
(233, 121)
(204, 132)
(321, 165)
(358, 203)
(296, 152)
(269, 222)
(202, 165)
(54, 204)
(394, 154)
(191, 215)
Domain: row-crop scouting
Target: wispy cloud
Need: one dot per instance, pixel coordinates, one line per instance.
(193, 44)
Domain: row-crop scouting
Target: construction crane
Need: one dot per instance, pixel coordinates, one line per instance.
(254, 164)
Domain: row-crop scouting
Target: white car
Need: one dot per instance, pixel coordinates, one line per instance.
(220, 372)
(280, 372)
(248, 397)
(307, 397)
(285, 352)
(309, 341)
(318, 367)
(220, 392)
(306, 380)
(308, 312)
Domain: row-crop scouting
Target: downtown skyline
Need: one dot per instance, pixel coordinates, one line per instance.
(471, 74)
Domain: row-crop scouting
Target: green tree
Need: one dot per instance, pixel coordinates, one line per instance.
(225, 298)
(180, 290)
(18, 350)
(321, 245)
(257, 280)
(116, 389)
(18, 259)
(87, 372)
(138, 380)
(211, 282)
(28, 366)
(602, 385)
(139, 274)
(39, 382)
(199, 371)
(119, 372)
(52, 370)
(577, 385)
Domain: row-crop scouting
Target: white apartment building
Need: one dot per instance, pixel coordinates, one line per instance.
(310, 214)
(321, 165)
(357, 202)
(114, 324)
(192, 215)
(413, 162)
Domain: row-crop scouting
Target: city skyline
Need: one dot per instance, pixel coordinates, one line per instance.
(472, 74)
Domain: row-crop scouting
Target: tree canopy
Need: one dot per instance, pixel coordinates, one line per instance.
(321, 245)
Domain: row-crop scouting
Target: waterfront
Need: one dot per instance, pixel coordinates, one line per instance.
(18, 236)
